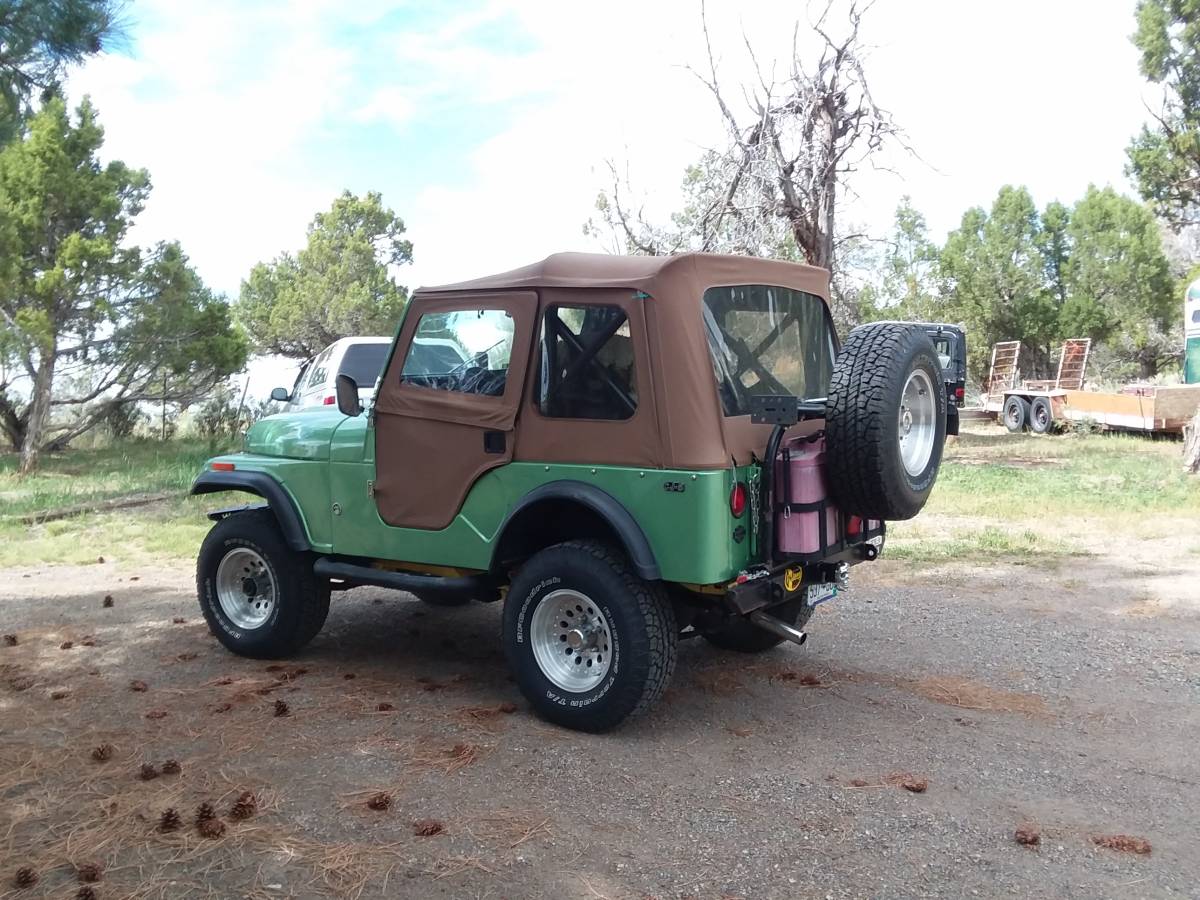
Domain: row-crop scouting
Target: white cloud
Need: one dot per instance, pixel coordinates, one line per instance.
(389, 104)
(234, 108)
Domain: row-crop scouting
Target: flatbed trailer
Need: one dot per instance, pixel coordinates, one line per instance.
(1041, 405)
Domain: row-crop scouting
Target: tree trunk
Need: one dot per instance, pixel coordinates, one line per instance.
(39, 412)
(1191, 445)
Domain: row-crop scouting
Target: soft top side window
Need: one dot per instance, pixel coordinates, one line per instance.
(466, 351)
(586, 364)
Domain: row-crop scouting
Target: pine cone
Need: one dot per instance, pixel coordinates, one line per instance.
(427, 827)
(244, 807)
(85, 893)
(108, 601)
(147, 772)
(138, 686)
(25, 877)
(10, 640)
(171, 767)
(380, 801)
(103, 753)
(281, 708)
(169, 821)
(210, 828)
(205, 811)
(89, 873)
(66, 645)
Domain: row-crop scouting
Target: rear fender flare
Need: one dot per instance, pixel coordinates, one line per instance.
(607, 507)
(278, 499)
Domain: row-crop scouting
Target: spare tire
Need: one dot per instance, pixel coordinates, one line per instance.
(885, 421)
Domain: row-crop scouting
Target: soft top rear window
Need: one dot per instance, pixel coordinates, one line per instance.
(767, 340)
(364, 362)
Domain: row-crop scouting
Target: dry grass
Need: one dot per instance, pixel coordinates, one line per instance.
(914, 784)
(509, 828)
(966, 694)
(1123, 843)
(721, 682)
(486, 718)
(426, 757)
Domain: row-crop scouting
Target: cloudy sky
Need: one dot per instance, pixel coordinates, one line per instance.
(486, 124)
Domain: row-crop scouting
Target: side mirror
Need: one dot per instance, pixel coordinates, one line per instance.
(281, 395)
(347, 395)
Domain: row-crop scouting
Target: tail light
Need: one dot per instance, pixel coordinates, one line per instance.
(853, 525)
(960, 393)
(330, 400)
(737, 500)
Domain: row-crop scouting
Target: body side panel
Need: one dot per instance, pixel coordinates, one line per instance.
(689, 530)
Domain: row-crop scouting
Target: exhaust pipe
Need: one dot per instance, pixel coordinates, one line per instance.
(778, 627)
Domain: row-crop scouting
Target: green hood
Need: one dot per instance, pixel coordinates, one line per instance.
(295, 435)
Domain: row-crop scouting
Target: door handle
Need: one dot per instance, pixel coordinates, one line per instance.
(493, 442)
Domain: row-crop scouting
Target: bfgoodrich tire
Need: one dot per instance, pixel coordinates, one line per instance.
(885, 421)
(590, 643)
(259, 597)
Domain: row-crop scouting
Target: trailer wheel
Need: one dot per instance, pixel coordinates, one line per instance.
(1016, 413)
(1041, 416)
(885, 421)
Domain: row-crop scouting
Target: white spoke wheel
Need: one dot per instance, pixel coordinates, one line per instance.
(918, 426)
(571, 641)
(589, 642)
(259, 597)
(245, 588)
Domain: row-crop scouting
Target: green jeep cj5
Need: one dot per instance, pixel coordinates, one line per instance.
(625, 451)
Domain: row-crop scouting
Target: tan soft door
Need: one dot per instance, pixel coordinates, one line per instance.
(448, 403)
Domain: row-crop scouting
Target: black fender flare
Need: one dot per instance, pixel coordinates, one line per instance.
(633, 540)
(278, 499)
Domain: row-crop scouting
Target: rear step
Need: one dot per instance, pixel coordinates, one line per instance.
(778, 627)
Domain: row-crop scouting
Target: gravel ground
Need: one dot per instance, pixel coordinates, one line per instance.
(1064, 701)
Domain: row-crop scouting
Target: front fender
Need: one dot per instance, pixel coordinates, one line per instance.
(280, 501)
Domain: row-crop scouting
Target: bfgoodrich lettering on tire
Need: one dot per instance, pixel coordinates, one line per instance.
(259, 597)
(885, 421)
(590, 643)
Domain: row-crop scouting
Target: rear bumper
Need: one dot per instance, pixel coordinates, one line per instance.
(762, 589)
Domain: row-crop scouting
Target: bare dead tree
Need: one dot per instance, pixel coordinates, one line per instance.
(792, 148)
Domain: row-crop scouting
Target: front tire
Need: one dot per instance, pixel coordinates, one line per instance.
(259, 597)
(590, 643)
(743, 636)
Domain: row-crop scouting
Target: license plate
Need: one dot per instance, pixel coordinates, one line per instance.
(819, 593)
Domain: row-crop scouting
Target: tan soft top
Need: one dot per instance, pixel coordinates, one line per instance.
(683, 427)
(662, 277)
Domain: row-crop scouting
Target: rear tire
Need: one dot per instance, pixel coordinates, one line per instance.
(885, 421)
(259, 597)
(743, 636)
(1016, 413)
(590, 643)
(1041, 415)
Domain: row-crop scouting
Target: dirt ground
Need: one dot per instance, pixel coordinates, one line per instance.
(1062, 699)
